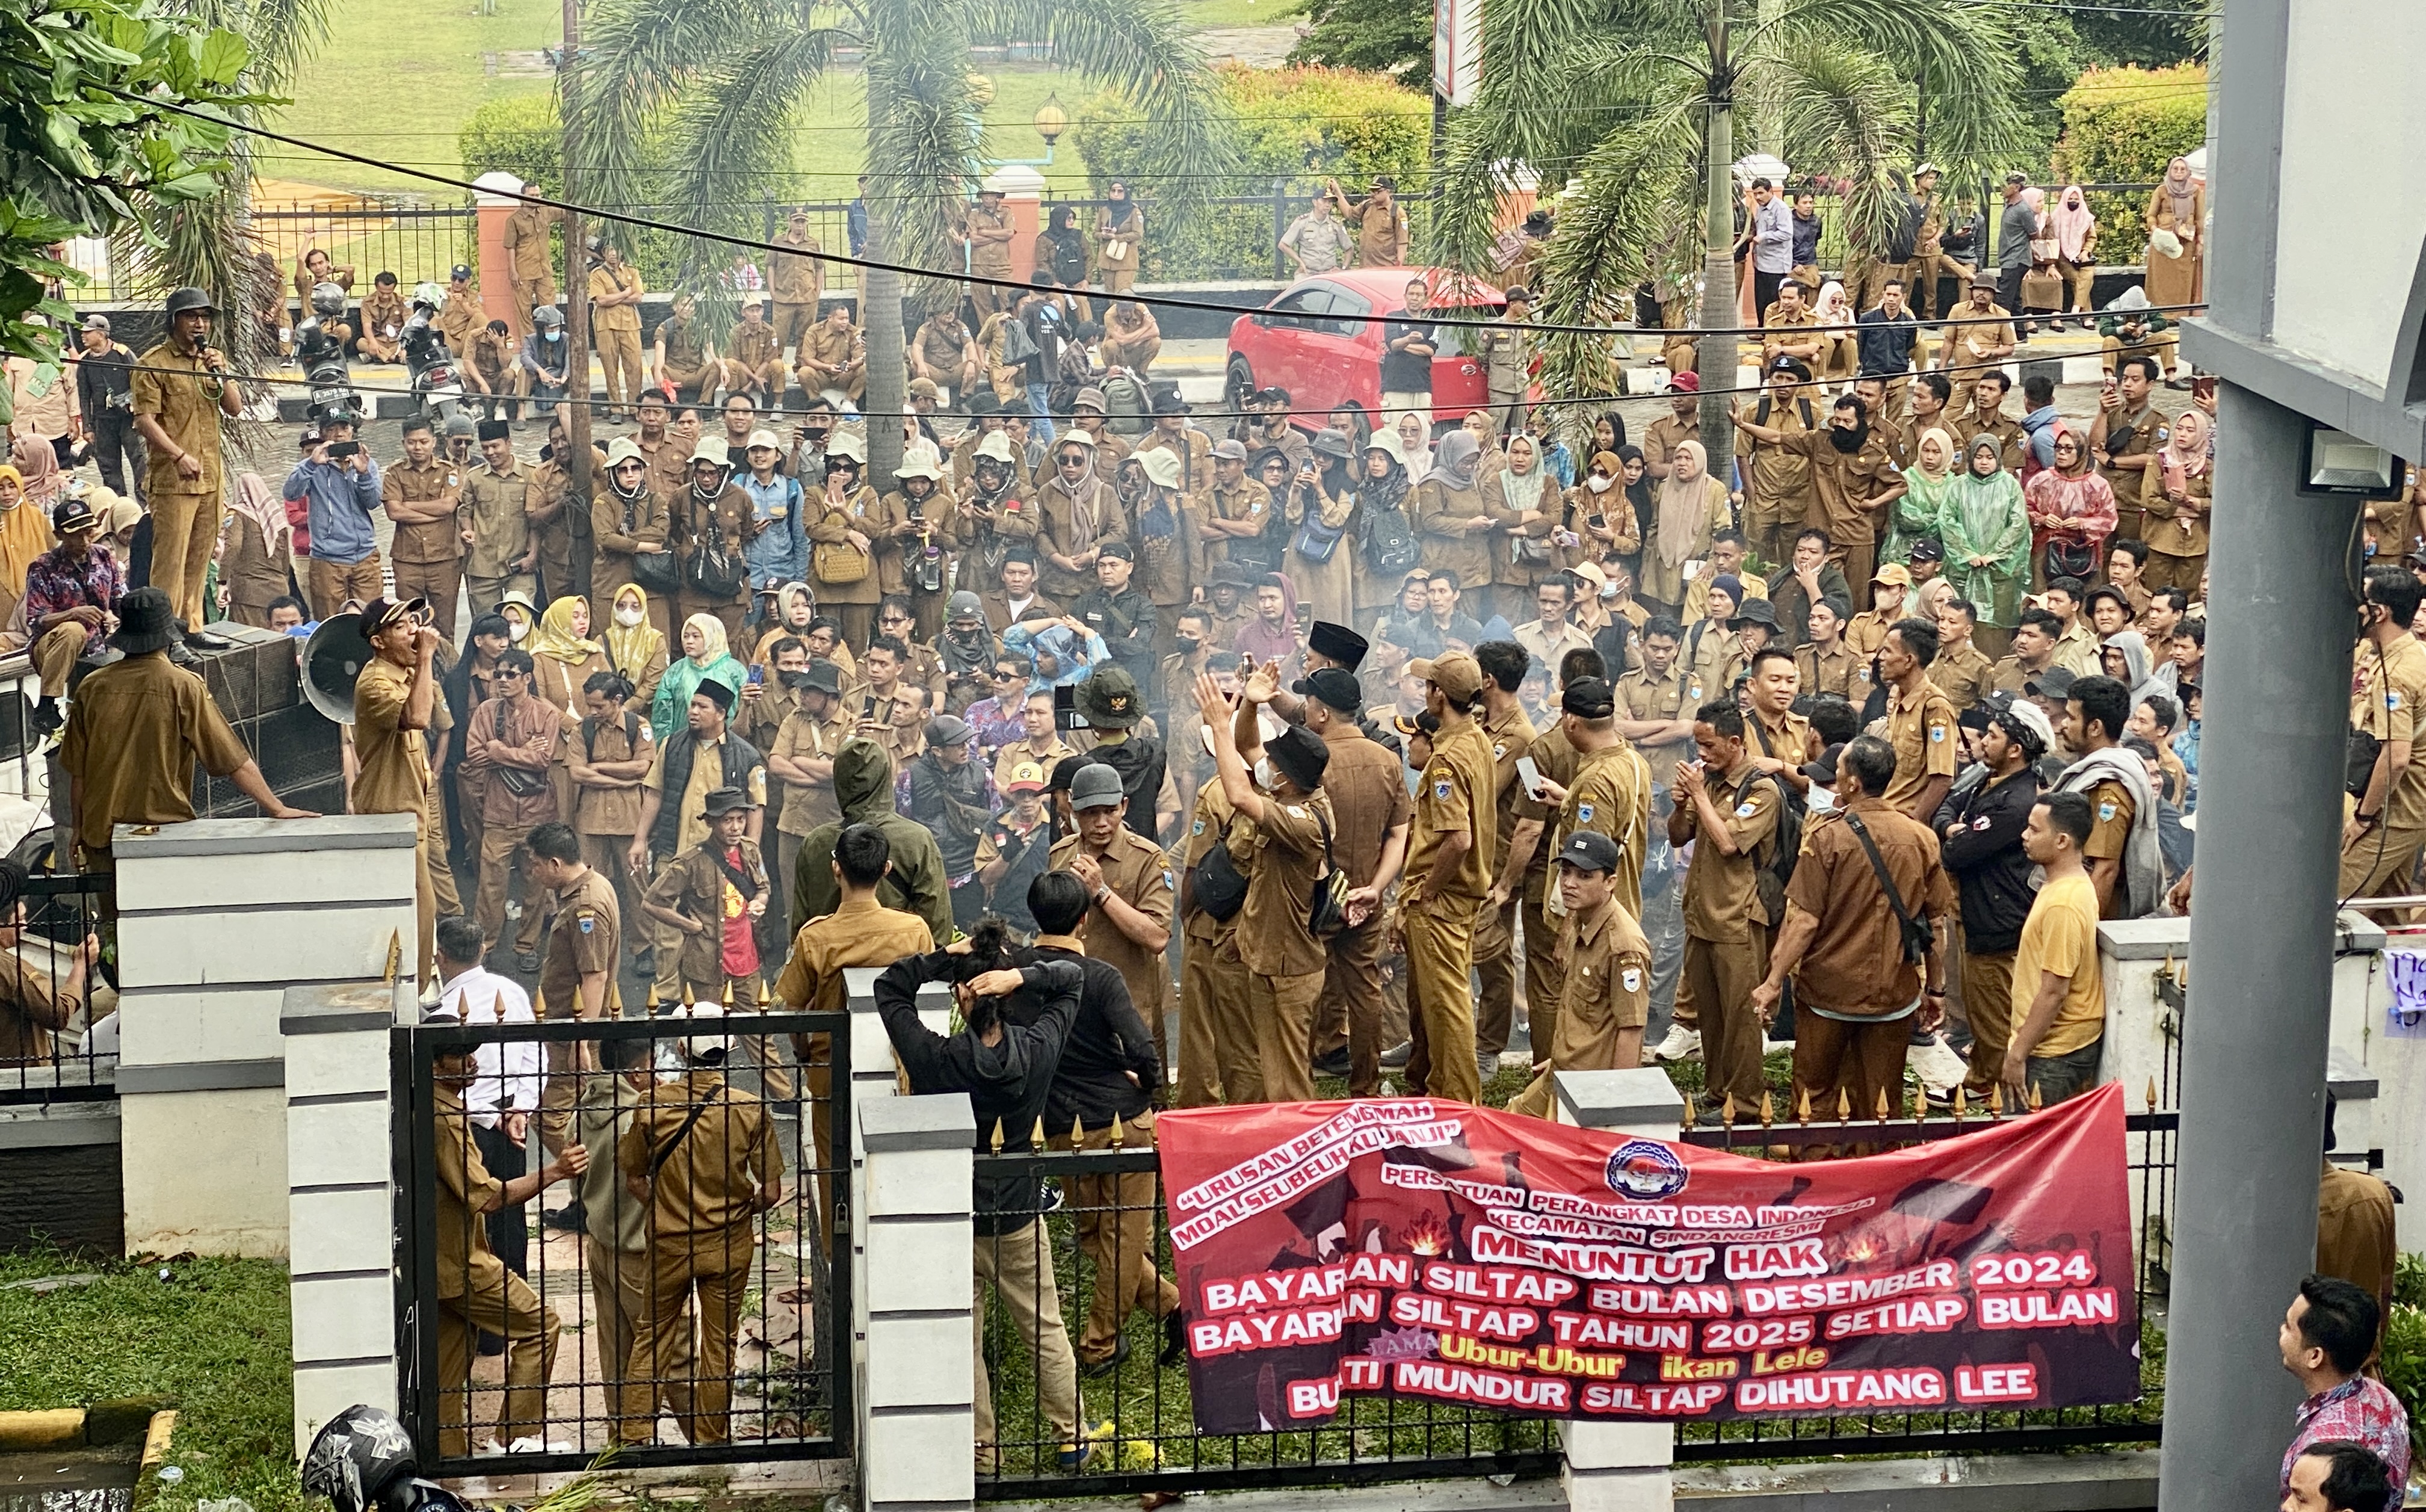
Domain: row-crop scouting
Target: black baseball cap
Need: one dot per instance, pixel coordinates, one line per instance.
(1334, 686)
(1588, 850)
(1588, 697)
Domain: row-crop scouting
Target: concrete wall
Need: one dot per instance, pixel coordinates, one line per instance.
(217, 919)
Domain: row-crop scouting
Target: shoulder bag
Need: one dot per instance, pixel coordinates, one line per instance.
(712, 571)
(1328, 914)
(658, 1161)
(1215, 885)
(838, 563)
(1916, 936)
(653, 572)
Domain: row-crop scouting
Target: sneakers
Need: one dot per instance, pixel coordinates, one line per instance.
(1395, 1058)
(1681, 1044)
(1940, 1068)
(1073, 1457)
(1335, 1064)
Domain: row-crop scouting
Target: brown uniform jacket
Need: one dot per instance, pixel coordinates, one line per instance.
(585, 934)
(496, 509)
(791, 277)
(1142, 876)
(1855, 962)
(1284, 855)
(180, 392)
(530, 732)
(134, 734)
(708, 1184)
(438, 480)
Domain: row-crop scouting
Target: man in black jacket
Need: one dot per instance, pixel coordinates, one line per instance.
(106, 399)
(1980, 824)
(1108, 1072)
(953, 796)
(1006, 1070)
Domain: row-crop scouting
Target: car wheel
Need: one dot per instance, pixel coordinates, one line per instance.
(1236, 384)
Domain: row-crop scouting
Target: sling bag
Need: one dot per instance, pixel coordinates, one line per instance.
(1915, 934)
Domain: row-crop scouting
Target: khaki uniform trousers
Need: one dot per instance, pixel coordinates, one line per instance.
(716, 1268)
(184, 533)
(2378, 865)
(529, 294)
(792, 323)
(619, 1295)
(1283, 1012)
(1921, 278)
(1988, 1004)
(438, 582)
(2167, 570)
(486, 593)
(442, 896)
(499, 844)
(529, 1327)
(1019, 1266)
(1351, 994)
(1495, 967)
(1440, 997)
(566, 1061)
(1115, 1216)
(2164, 349)
(618, 353)
(1545, 979)
(2078, 280)
(1217, 1061)
(1722, 976)
(330, 583)
(55, 656)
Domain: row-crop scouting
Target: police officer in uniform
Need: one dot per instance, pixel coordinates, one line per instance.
(1133, 889)
(1447, 872)
(476, 1292)
(703, 1157)
(1605, 992)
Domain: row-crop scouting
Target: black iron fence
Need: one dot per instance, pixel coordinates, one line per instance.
(1080, 1395)
(686, 1297)
(59, 1011)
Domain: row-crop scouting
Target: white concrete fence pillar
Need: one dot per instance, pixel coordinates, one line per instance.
(1619, 1466)
(914, 1238)
(217, 919)
(341, 1199)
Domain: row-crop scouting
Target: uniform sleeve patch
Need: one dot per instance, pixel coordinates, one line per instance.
(2391, 698)
(1631, 979)
(1499, 750)
(1199, 827)
(1583, 813)
(1981, 823)
(1936, 732)
(2106, 814)
(1440, 790)
(1744, 809)
(1170, 881)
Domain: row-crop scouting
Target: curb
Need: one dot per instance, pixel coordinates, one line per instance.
(119, 1421)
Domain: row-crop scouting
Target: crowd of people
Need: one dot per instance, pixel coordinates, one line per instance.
(1223, 752)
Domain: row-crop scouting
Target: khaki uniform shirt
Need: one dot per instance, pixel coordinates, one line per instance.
(860, 932)
(1641, 696)
(1607, 988)
(2012, 444)
(525, 242)
(609, 811)
(1557, 760)
(1194, 448)
(2386, 706)
(494, 508)
(30, 1011)
(187, 408)
(990, 257)
(694, 884)
(1365, 783)
(1212, 825)
(1855, 962)
(1964, 675)
(134, 734)
(1250, 500)
(799, 738)
(465, 1189)
(1835, 672)
(437, 480)
(754, 345)
(2111, 813)
(1781, 474)
(791, 277)
(585, 933)
(1661, 438)
(1721, 899)
(709, 1183)
(1923, 732)
(604, 280)
(839, 348)
(1609, 795)
(1512, 740)
(1458, 793)
(393, 762)
(1841, 485)
(1284, 856)
(1138, 872)
(2355, 1230)
(460, 319)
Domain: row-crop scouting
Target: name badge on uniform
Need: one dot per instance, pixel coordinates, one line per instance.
(1296, 813)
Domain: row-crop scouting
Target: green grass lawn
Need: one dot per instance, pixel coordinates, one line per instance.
(212, 1336)
(396, 82)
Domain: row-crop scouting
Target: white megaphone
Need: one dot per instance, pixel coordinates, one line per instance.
(333, 660)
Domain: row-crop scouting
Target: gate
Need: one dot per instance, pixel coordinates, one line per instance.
(727, 1345)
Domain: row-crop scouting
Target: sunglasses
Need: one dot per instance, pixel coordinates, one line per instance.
(1072, 459)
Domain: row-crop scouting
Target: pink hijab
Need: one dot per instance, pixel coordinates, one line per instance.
(2072, 223)
(37, 465)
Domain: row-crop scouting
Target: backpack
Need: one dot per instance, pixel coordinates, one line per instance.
(1793, 811)
(1387, 538)
(1128, 406)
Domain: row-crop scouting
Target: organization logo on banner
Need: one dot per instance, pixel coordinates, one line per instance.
(1647, 1170)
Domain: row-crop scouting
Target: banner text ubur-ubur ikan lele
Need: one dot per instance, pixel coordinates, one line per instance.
(1433, 1250)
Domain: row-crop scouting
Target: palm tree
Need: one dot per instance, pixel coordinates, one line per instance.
(209, 243)
(713, 90)
(1837, 85)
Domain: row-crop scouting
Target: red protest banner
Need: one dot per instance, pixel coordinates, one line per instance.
(1434, 1250)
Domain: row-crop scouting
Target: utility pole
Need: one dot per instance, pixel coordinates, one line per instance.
(576, 314)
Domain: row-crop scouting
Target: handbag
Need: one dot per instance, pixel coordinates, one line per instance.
(1916, 936)
(1327, 914)
(710, 571)
(654, 571)
(1317, 542)
(2041, 290)
(2068, 558)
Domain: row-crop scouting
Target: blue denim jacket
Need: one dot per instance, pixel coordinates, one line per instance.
(780, 552)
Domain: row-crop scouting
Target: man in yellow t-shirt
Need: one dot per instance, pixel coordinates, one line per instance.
(2059, 994)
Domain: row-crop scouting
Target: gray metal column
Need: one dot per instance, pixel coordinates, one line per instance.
(2261, 958)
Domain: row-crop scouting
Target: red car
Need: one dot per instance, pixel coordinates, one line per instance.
(1311, 342)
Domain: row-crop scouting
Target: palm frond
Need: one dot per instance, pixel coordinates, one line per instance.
(1960, 58)
(731, 123)
(284, 34)
(1847, 110)
(1527, 52)
(924, 135)
(1146, 51)
(641, 60)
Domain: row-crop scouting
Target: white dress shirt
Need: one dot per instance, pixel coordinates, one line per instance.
(504, 1076)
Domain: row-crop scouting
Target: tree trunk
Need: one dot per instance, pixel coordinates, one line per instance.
(1718, 353)
(879, 315)
(576, 320)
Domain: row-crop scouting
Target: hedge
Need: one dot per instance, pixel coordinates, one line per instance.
(2123, 125)
(518, 134)
(1294, 127)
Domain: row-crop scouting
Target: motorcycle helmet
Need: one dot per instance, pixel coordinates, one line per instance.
(355, 1459)
(328, 300)
(430, 295)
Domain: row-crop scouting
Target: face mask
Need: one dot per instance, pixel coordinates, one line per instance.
(1608, 591)
(627, 618)
(1186, 644)
(1264, 773)
(1597, 483)
(516, 629)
